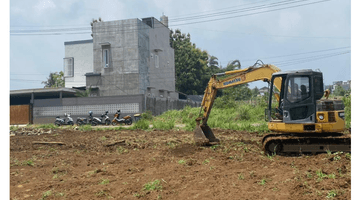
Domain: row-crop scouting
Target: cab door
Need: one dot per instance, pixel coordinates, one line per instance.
(299, 106)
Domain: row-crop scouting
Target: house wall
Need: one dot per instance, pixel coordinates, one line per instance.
(122, 77)
(162, 77)
(82, 52)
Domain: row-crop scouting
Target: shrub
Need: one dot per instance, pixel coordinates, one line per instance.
(141, 124)
(85, 128)
(147, 115)
(164, 125)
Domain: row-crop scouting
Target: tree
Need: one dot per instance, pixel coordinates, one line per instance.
(255, 92)
(339, 91)
(55, 80)
(85, 93)
(190, 64)
(213, 61)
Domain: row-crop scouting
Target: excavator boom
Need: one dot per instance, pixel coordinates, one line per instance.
(203, 133)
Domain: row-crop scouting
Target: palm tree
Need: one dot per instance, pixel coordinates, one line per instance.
(213, 61)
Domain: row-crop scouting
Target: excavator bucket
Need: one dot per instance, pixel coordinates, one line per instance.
(204, 136)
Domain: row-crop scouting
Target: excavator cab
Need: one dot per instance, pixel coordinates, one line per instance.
(297, 96)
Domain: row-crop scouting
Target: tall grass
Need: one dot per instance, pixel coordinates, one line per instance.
(347, 103)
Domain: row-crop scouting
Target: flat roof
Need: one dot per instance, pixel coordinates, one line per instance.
(78, 42)
(42, 90)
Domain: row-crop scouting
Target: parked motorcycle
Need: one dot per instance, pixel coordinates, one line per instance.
(137, 117)
(64, 121)
(81, 121)
(125, 120)
(104, 120)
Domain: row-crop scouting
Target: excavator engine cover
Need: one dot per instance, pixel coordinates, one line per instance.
(204, 136)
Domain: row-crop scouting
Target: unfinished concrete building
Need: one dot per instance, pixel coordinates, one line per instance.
(132, 57)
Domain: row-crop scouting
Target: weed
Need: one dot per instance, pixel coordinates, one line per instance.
(85, 128)
(206, 162)
(14, 128)
(46, 194)
(271, 157)
(246, 149)
(141, 124)
(103, 138)
(159, 197)
(212, 167)
(321, 175)
(348, 156)
(29, 162)
(137, 195)
(55, 176)
(328, 153)
(155, 186)
(252, 174)
(308, 174)
(337, 157)
(331, 194)
(101, 193)
(241, 176)
(182, 162)
(262, 182)
(124, 183)
(104, 182)
(60, 194)
(121, 150)
(331, 176)
(164, 125)
(47, 126)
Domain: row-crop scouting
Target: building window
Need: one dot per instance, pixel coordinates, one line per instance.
(69, 67)
(156, 61)
(106, 57)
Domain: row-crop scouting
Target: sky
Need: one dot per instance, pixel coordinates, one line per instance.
(291, 36)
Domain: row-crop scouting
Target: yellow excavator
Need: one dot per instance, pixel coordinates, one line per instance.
(302, 121)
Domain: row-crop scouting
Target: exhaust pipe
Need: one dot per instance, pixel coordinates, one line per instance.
(203, 135)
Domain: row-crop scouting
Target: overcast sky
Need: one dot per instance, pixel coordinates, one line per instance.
(314, 36)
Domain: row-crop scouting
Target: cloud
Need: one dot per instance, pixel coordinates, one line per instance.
(44, 5)
(289, 22)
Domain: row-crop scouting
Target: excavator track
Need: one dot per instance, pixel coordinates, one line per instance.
(286, 143)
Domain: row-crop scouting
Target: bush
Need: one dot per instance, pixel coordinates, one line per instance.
(147, 115)
(164, 125)
(347, 103)
(141, 124)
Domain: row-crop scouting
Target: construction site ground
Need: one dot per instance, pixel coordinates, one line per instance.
(132, 164)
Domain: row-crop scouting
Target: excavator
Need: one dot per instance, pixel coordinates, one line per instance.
(300, 120)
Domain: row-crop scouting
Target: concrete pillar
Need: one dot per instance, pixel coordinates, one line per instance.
(60, 94)
(32, 98)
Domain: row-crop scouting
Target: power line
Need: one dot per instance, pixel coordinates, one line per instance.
(161, 24)
(251, 13)
(281, 3)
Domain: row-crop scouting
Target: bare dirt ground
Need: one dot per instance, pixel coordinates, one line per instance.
(166, 165)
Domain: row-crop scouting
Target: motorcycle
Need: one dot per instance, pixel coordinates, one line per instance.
(64, 121)
(104, 120)
(125, 120)
(81, 121)
(137, 117)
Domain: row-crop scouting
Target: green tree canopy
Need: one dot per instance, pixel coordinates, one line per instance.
(190, 64)
(55, 80)
(339, 91)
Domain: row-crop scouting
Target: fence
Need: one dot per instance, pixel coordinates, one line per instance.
(159, 105)
(20, 114)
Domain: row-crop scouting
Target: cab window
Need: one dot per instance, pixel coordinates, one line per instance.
(298, 88)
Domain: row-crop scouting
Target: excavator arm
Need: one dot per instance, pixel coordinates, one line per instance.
(203, 133)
